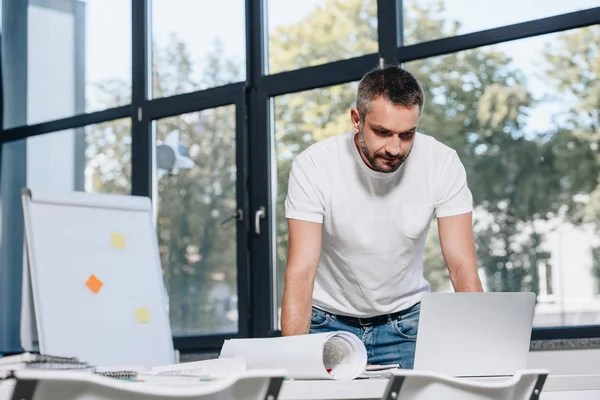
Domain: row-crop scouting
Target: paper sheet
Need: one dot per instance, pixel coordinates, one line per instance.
(213, 368)
(331, 355)
(117, 240)
(94, 284)
(379, 371)
(142, 315)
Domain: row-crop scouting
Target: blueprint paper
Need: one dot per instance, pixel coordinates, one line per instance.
(331, 355)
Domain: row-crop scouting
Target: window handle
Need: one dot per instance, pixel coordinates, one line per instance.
(260, 213)
(238, 216)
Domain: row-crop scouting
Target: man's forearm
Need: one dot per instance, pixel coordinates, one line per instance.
(465, 279)
(296, 305)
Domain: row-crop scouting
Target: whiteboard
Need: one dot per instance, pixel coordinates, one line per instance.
(96, 278)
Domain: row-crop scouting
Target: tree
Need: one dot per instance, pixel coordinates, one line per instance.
(573, 68)
(198, 251)
(108, 144)
(351, 28)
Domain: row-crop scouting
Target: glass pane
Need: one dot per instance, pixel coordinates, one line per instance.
(96, 159)
(524, 119)
(313, 32)
(197, 47)
(426, 20)
(107, 53)
(73, 64)
(196, 172)
(324, 113)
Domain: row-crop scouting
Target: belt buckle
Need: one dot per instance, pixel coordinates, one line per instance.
(361, 323)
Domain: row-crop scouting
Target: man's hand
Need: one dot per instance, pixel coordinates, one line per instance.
(458, 249)
(304, 251)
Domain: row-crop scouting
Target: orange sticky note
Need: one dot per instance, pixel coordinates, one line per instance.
(94, 284)
(118, 240)
(142, 315)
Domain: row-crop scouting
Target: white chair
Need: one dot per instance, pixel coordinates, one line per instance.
(6, 388)
(67, 385)
(426, 385)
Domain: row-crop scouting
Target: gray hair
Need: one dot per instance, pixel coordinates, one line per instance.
(395, 84)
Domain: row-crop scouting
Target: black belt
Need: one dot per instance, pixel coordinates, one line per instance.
(370, 321)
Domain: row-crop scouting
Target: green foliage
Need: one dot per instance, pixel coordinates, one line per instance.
(573, 68)
(433, 262)
(198, 253)
(335, 30)
(108, 156)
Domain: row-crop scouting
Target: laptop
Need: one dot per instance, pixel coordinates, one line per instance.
(474, 334)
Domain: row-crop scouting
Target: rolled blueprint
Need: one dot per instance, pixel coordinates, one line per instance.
(331, 355)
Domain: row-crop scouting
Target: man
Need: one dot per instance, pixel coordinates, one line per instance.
(359, 206)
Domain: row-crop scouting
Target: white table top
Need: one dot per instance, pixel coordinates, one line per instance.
(557, 387)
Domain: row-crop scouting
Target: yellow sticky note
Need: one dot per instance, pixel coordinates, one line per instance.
(118, 240)
(142, 315)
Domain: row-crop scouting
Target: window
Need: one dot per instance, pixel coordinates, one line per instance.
(523, 115)
(522, 120)
(198, 46)
(426, 20)
(65, 59)
(307, 33)
(324, 113)
(96, 158)
(197, 172)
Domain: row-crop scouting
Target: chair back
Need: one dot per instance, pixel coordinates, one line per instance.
(67, 385)
(426, 385)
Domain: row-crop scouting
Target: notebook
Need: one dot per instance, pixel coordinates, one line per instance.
(42, 361)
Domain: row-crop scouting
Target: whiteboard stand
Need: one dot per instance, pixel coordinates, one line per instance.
(92, 280)
(29, 340)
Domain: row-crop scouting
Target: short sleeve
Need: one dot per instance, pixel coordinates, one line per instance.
(304, 199)
(453, 196)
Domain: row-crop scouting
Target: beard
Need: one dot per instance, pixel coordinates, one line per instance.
(376, 160)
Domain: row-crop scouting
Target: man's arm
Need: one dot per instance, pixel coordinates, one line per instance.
(304, 251)
(458, 249)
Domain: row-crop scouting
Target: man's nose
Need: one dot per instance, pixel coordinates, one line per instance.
(393, 146)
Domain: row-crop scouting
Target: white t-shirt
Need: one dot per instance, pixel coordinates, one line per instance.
(374, 224)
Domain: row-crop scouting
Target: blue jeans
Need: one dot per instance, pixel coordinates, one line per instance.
(392, 342)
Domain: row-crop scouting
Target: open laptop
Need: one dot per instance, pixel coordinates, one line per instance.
(474, 334)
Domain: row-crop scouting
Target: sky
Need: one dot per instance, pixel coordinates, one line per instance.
(199, 22)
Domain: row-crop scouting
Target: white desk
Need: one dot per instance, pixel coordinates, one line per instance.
(557, 387)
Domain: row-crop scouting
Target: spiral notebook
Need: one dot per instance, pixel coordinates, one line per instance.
(42, 361)
(125, 374)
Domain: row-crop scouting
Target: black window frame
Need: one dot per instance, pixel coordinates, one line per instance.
(253, 101)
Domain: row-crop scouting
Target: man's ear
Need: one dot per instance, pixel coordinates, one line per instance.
(355, 119)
